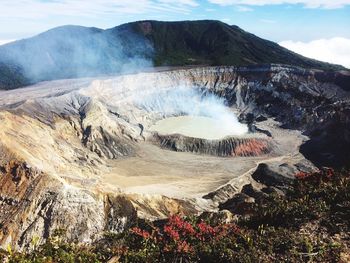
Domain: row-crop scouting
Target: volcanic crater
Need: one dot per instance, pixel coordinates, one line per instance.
(182, 140)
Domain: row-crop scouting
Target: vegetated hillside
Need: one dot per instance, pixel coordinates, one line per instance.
(11, 76)
(309, 223)
(216, 43)
(75, 51)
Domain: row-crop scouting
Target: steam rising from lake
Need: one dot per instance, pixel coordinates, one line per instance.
(220, 121)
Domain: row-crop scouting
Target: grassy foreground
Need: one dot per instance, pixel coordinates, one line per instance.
(311, 223)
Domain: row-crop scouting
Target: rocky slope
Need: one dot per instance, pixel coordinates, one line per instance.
(225, 147)
(69, 149)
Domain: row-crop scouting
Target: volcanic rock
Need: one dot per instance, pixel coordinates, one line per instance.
(239, 204)
(224, 147)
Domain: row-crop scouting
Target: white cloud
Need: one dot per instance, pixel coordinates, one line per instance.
(268, 21)
(242, 8)
(82, 8)
(5, 41)
(327, 4)
(182, 2)
(334, 50)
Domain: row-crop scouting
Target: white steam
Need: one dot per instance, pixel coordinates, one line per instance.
(74, 52)
(189, 101)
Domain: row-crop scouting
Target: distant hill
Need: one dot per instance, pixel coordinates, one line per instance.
(75, 51)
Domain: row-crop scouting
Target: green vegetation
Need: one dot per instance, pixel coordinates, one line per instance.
(11, 76)
(311, 223)
(215, 43)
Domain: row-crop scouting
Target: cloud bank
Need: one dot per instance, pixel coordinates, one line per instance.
(5, 41)
(334, 50)
(326, 4)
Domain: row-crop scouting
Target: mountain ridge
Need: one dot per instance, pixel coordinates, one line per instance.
(233, 29)
(76, 51)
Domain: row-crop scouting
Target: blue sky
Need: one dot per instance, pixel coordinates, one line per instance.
(277, 20)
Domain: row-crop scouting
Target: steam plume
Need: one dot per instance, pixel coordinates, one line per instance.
(189, 101)
(74, 51)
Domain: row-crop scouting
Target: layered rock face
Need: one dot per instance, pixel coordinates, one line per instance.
(67, 148)
(223, 147)
(34, 204)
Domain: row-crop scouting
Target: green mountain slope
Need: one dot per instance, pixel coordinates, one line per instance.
(216, 43)
(74, 51)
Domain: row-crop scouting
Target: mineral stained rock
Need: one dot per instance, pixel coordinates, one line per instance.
(231, 146)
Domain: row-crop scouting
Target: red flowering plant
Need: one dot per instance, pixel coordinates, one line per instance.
(323, 174)
(302, 175)
(307, 183)
(180, 237)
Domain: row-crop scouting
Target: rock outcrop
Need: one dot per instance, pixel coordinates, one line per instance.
(231, 146)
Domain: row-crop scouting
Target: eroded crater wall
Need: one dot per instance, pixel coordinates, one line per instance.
(68, 137)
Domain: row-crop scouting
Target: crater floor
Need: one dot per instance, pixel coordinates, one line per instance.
(44, 130)
(154, 170)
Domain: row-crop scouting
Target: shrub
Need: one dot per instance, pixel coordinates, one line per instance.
(309, 224)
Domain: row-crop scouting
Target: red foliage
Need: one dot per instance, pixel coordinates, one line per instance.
(184, 247)
(330, 172)
(181, 225)
(225, 229)
(171, 232)
(205, 231)
(325, 173)
(142, 233)
(302, 175)
(181, 236)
